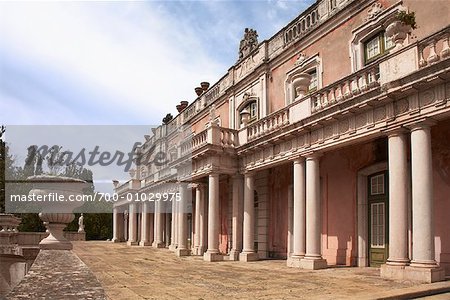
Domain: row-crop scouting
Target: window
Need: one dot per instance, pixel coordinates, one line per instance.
(253, 110)
(313, 85)
(377, 185)
(248, 109)
(377, 46)
(377, 217)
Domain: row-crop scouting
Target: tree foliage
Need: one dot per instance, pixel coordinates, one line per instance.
(97, 225)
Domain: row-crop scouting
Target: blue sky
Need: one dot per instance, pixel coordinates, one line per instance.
(120, 62)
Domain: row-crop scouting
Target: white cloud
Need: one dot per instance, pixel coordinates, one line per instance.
(124, 50)
(119, 62)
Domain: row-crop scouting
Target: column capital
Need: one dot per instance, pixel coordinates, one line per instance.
(214, 175)
(298, 159)
(425, 123)
(396, 131)
(237, 176)
(313, 155)
(249, 174)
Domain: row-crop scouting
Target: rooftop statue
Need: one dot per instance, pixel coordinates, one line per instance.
(248, 43)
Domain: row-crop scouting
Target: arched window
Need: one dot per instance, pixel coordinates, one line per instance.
(248, 110)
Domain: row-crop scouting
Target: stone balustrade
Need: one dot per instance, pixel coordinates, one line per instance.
(9, 223)
(199, 139)
(434, 48)
(229, 137)
(268, 124)
(212, 94)
(122, 188)
(346, 88)
(301, 26)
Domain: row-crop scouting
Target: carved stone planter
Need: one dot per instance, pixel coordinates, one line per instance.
(397, 31)
(301, 84)
(204, 85)
(57, 214)
(198, 91)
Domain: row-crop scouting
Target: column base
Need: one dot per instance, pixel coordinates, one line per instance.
(295, 261)
(182, 252)
(234, 255)
(418, 274)
(313, 264)
(142, 243)
(115, 241)
(57, 245)
(129, 243)
(172, 247)
(158, 245)
(248, 256)
(212, 256)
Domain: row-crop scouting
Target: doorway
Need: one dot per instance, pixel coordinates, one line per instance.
(378, 196)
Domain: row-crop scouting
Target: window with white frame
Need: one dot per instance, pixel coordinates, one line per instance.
(369, 40)
(377, 46)
(303, 78)
(377, 185)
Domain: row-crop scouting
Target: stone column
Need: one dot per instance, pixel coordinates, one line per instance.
(238, 195)
(182, 249)
(173, 226)
(132, 223)
(197, 220)
(167, 229)
(313, 259)
(121, 227)
(423, 261)
(203, 221)
(299, 219)
(116, 228)
(145, 225)
(398, 199)
(158, 227)
(151, 229)
(212, 254)
(248, 253)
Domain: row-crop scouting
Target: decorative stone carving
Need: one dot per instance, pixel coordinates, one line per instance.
(57, 214)
(397, 30)
(300, 59)
(245, 116)
(374, 11)
(301, 83)
(81, 223)
(426, 97)
(401, 106)
(248, 43)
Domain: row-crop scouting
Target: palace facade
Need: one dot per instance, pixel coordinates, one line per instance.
(327, 144)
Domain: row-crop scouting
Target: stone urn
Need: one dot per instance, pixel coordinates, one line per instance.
(198, 91)
(55, 212)
(301, 84)
(204, 85)
(245, 117)
(397, 31)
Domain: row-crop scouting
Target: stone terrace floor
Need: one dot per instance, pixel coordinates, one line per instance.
(147, 273)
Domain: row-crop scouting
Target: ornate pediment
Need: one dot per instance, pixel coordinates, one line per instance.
(374, 11)
(248, 43)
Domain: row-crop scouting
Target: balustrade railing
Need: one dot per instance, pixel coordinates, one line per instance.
(268, 124)
(228, 137)
(352, 85)
(434, 48)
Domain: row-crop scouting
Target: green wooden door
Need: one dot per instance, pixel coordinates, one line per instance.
(378, 219)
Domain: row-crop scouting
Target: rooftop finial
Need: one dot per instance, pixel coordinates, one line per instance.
(248, 43)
